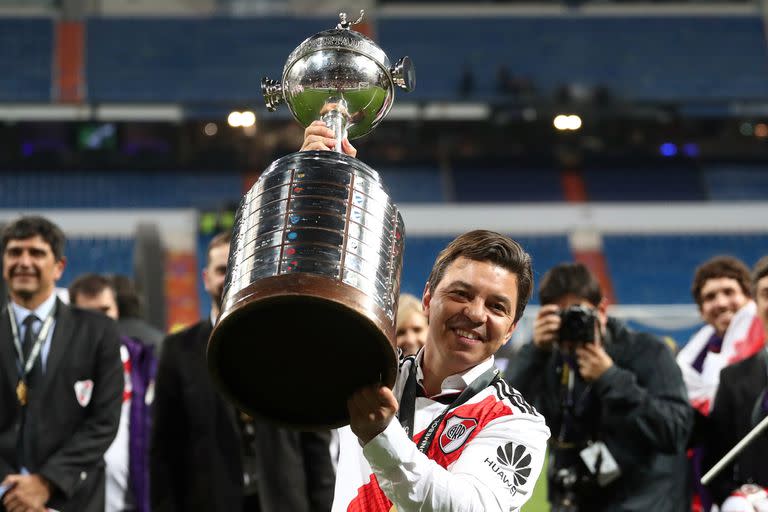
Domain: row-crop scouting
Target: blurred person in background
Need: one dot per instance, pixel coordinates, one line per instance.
(61, 381)
(613, 397)
(127, 458)
(721, 288)
(206, 455)
(411, 325)
(740, 404)
(131, 321)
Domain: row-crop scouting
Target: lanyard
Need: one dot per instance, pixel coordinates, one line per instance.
(26, 366)
(407, 410)
(573, 407)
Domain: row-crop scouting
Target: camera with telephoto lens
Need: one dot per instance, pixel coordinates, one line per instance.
(577, 324)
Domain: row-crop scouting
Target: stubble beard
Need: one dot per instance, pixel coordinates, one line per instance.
(217, 298)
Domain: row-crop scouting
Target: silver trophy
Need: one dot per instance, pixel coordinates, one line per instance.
(313, 279)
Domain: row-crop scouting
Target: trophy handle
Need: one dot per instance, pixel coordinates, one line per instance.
(404, 74)
(336, 117)
(272, 91)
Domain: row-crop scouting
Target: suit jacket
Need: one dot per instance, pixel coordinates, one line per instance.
(196, 451)
(69, 439)
(741, 384)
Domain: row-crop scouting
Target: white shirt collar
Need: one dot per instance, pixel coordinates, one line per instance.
(457, 382)
(41, 312)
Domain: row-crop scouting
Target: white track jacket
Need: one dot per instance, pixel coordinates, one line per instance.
(485, 456)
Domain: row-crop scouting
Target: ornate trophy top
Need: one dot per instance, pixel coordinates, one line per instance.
(339, 71)
(343, 23)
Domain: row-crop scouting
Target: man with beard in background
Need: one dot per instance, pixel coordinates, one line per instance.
(208, 456)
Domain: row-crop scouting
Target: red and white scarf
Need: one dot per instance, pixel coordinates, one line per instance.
(743, 338)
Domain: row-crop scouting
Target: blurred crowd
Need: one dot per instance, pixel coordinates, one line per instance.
(101, 411)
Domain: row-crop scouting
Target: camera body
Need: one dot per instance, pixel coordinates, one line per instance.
(570, 487)
(577, 324)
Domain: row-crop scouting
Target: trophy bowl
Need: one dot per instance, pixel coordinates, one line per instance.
(313, 277)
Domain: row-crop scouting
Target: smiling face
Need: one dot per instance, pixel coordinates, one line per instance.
(31, 270)
(471, 315)
(721, 298)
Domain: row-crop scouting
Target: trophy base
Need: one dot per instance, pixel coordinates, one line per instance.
(293, 348)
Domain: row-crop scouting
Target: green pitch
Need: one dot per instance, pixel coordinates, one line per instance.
(538, 502)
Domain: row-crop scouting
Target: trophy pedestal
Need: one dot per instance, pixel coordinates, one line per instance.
(292, 348)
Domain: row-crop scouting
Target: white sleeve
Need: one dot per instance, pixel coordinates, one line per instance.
(496, 471)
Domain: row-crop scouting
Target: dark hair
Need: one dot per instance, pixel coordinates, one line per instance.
(759, 272)
(570, 279)
(128, 300)
(31, 226)
(89, 285)
(481, 245)
(719, 267)
(223, 238)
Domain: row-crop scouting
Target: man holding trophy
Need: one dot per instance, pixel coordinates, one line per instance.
(317, 246)
(462, 439)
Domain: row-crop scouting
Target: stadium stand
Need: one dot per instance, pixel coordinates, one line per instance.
(658, 269)
(679, 54)
(138, 189)
(194, 60)
(736, 182)
(100, 255)
(496, 184)
(647, 183)
(410, 184)
(25, 61)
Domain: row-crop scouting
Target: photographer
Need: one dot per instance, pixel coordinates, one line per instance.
(613, 398)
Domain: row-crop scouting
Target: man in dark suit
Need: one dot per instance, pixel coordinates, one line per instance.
(740, 404)
(205, 455)
(61, 381)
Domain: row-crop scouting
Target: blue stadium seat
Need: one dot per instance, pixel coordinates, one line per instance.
(223, 59)
(658, 269)
(736, 182)
(25, 59)
(508, 184)
(650, 183)
(195, 60)
(137, 189)
(643, 58)
(413, 184)
(100, 255)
